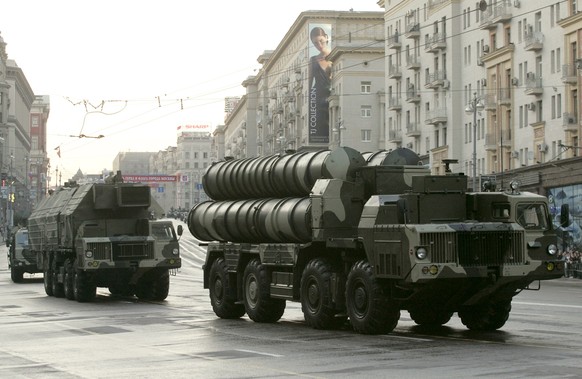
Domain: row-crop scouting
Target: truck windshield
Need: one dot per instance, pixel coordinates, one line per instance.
(162, 232)
(532, 216)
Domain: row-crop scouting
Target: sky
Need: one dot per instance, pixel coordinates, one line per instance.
(134, 71)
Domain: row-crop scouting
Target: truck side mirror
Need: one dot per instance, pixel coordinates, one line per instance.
(565, 216)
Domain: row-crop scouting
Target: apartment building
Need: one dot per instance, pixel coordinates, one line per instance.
(290, 104)
(192, 158)
(517, 59)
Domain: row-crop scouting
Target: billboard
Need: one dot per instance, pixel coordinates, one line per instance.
(319, 84)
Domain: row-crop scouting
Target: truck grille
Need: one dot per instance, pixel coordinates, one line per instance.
(476, 248)
(121, 251)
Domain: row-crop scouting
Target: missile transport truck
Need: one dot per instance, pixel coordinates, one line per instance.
(98, 235)
(361, 237)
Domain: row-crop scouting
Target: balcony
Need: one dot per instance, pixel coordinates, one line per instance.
(570, 122)
(435, 80)
(533, 85)
(412, 62)
(393, 42)
(412, 30)
(436, 116)
(499, 13)
(533, 41)
(394, 103)
(394, 72)
(435, 43)
(570, 73)
(412, 96)
(491, 142)
(490, 102)
(412, 129)
(395, 136)
(504, 96)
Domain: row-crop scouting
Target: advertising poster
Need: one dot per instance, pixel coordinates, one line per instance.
(571, 195)
(319, 82)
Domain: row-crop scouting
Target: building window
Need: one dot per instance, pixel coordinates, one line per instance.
(366, 111)
(34, 121)
(366, 87)
(366, 135)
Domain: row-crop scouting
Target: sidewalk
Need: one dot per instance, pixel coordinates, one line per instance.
(3, 257)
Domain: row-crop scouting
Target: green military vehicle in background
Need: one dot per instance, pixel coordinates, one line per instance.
(20, 258)
(361, 237)
(98, 235)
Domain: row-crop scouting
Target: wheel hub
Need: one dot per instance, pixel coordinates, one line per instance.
(360, 298)
(313, 295)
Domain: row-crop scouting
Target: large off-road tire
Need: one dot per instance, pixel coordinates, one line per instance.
(69, 280)
(16, 274)
(144, 290)
(369, 308)
(85, 289)
(427, 316)
(58, 288)
(259, 305)
(153, 287)
(48, 278)
(161, 286)
(222, 292)
(489, 316)
(317, 304)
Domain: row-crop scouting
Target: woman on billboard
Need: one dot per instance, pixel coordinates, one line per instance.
(319, 86)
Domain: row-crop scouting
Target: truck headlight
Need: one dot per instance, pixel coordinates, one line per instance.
(176, 251)
(88, 254)
(552, 249)
(421, 253)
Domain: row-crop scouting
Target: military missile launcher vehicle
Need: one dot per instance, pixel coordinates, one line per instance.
(98, 235)
(362, 237)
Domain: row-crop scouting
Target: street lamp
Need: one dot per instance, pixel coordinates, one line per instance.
(474, 106)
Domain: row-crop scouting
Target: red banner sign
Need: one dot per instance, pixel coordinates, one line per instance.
(149, 178)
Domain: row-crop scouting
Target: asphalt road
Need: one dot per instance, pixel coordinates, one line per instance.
(122, 337)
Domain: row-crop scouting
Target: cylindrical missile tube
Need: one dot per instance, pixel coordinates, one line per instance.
(253, 220)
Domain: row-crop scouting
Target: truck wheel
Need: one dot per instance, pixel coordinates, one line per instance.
(222, 293)
(58, 288)
(259, 305)
(429, 316)
(316, 296)
(48, 278)
(84, 289)
(16, 274)
(69, 285)
(144, 290)
(489, 316)
(161, 286)
(369, 309)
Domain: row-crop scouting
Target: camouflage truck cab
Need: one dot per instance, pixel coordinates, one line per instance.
(361, 237)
